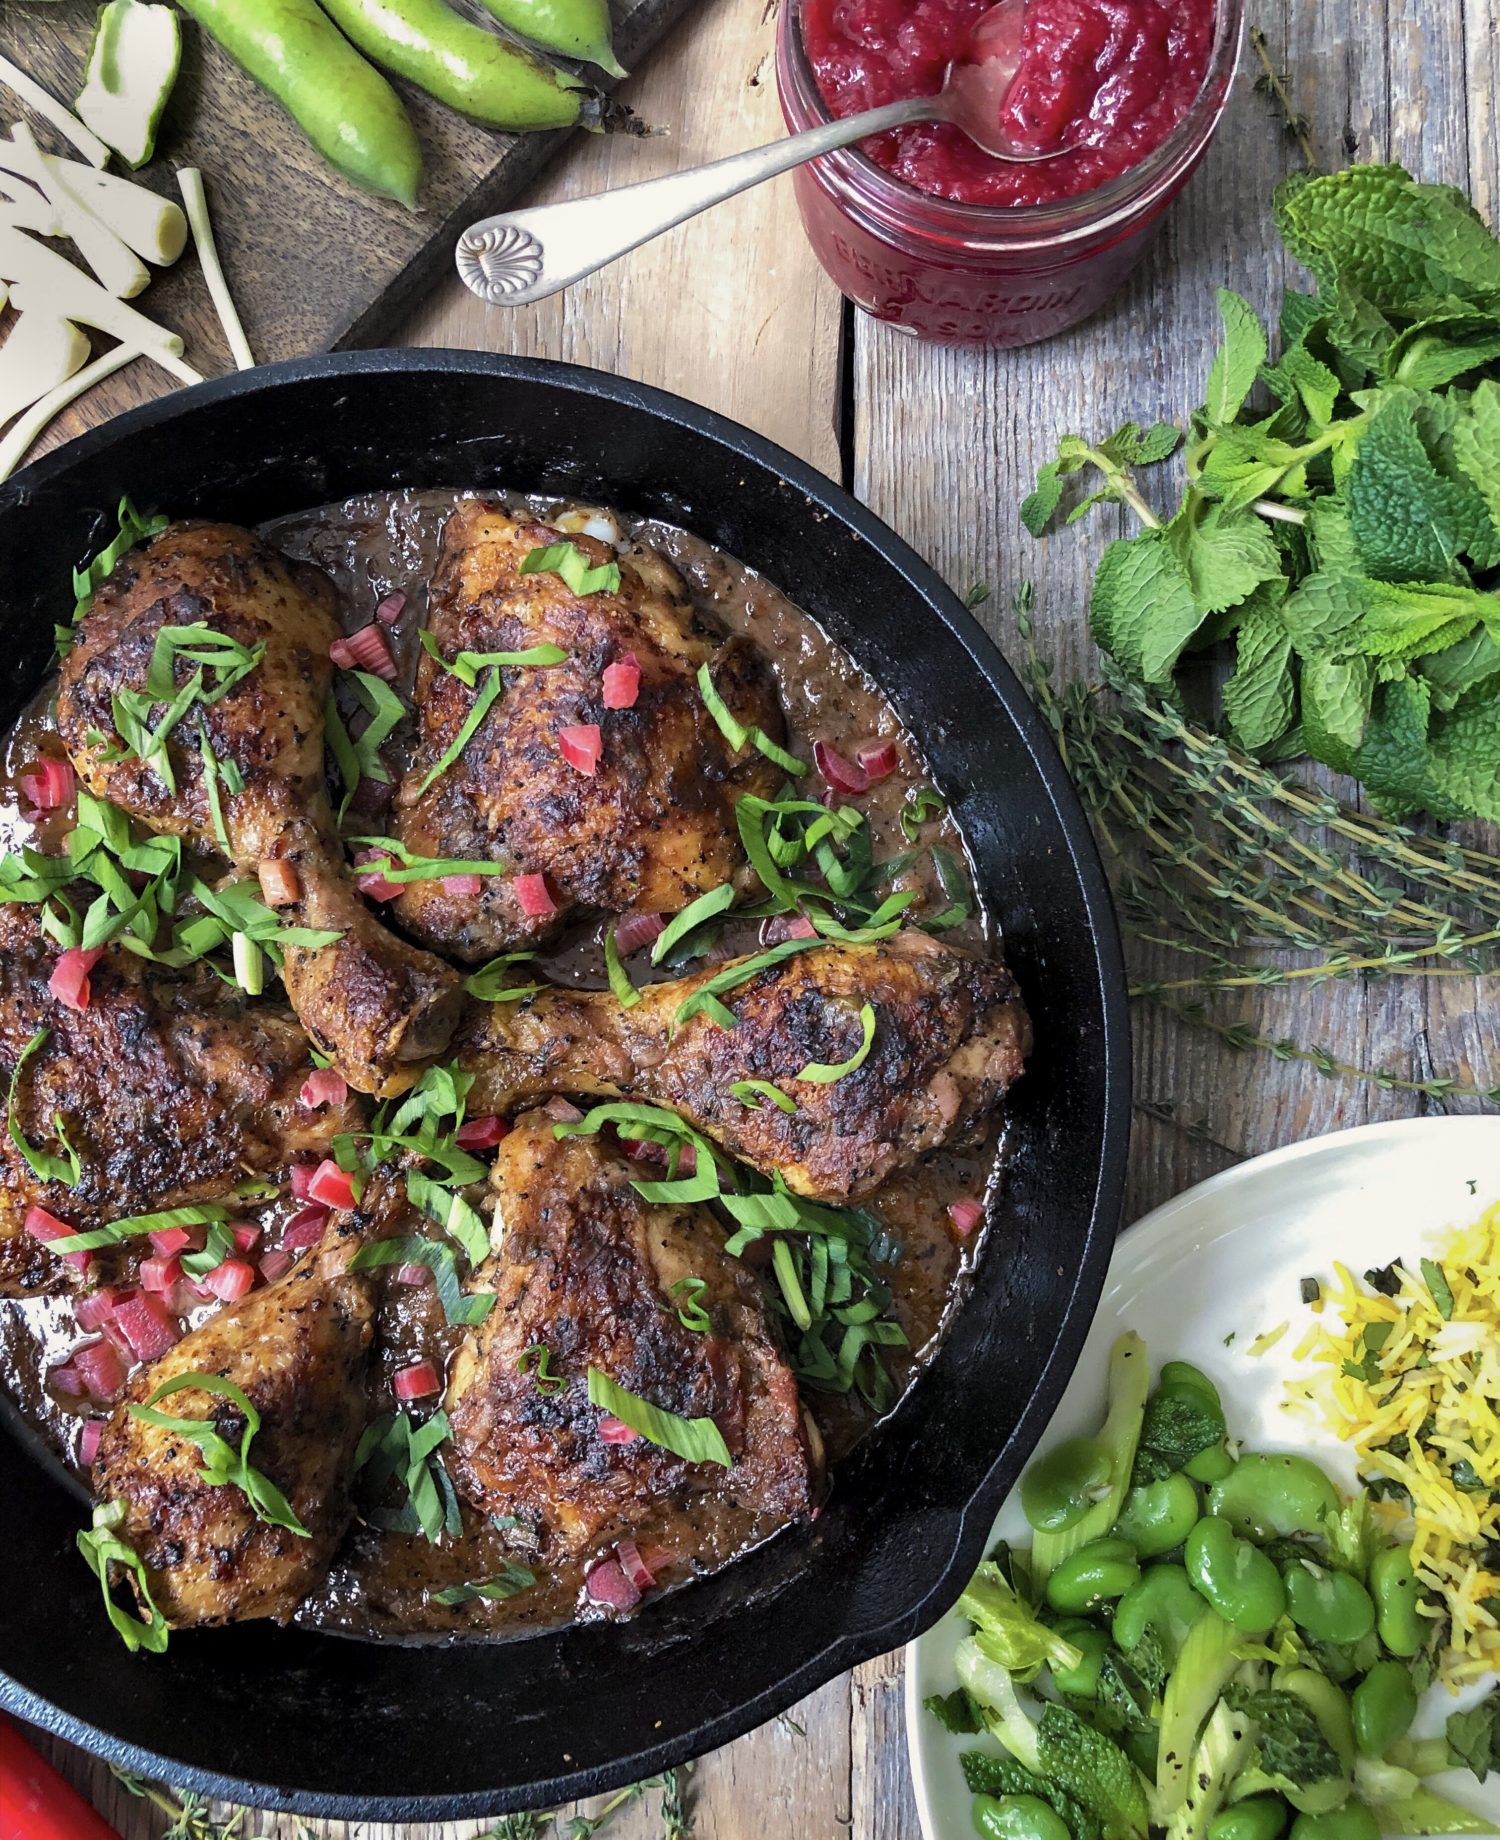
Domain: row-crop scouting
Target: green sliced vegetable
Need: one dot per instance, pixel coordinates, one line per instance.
(695, 1440)
(823, 1073)
(223, 1465)
(131, 68)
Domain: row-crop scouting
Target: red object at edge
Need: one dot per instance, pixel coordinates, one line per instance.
(36, 1803)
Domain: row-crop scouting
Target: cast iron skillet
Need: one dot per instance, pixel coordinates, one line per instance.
(328, 1726)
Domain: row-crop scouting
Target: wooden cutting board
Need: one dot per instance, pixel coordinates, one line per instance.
(314, 263)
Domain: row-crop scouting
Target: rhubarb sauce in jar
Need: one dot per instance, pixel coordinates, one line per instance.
(923, 229)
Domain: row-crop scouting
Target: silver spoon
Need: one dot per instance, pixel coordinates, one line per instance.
(522, 256)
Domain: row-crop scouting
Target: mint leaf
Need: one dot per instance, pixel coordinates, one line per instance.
(1437, 351)
(1476, 446)
(1462, 667)
(1039, 506)
(1260, 699)
(1404, 620)
(1226, 554)
(1405, 248)
(1142, 611)
(1464, 753)
(1336, 694)
(1393, 759)
(1408, 521)
(1238, 361)
(1323, 608)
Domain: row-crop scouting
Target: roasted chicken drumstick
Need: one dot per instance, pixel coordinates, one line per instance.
(170, 1088)
(586, 1270)
(950, 1035)
(650, 823)
(297, 1351)
(375, 1005)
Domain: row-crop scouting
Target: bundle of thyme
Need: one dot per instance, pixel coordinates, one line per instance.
(190, 1817)
(1243, 878)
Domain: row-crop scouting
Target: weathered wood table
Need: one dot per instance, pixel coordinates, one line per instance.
(733, 311)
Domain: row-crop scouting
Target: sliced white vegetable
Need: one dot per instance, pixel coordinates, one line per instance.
(50, 109)
(14, 447)
(28, 209)
(153, 226)
(51, 281)
(40, 353)
(191, 182)
(131, 68)
(119, 269)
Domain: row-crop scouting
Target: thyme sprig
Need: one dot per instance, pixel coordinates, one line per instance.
(1231, 875)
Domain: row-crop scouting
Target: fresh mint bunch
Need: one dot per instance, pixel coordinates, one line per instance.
(1340, 519)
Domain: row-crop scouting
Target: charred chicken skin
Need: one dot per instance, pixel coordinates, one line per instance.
(586, 1268)
(297, 1351)
(377, 1006)
(171, 1089)
(652, 825)
(950, 1035)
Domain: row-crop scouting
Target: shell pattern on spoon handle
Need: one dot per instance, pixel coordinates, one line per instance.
(523, 256)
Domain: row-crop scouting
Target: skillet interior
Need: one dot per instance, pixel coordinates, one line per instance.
(290, 1719)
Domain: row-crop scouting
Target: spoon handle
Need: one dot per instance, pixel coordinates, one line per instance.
(522, 256)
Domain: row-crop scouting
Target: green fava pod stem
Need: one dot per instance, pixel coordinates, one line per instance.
(344, 107)
(471, 70)
(568, 28)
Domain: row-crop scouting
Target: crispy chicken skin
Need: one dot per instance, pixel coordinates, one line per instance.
(297, 1350)
(171, 1088)
(653, 827)
(376, 1005)
(587, 1267)
(951, 1035)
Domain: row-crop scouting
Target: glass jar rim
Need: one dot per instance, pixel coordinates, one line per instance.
(1111, 206)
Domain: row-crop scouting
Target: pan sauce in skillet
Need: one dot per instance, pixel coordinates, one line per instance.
(382, 1581)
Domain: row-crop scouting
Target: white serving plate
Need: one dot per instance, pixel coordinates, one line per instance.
(1226, 1258)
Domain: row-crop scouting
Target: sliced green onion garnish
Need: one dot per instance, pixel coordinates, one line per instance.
(758, 1093)
(507, 1583)
(44, 1164)
(619, 978)
(569, 562)
(249, 964)
(653, 1124)
(824, 1073)
(537, 1361)
(690, 1312)
(452, 1213)
(695, 1440)
(416, 868)
(737, 734)
(920, 805)
(489, 691)
(466, 666)
(785, 1267)
(716, 901)
(102, 1547)
(739, 973)
(416, 1249)
(200, 1213)
(489, 984)
(222, 1464)
(396, 1447)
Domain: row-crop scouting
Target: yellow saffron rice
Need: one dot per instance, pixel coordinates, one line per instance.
(1436, 1370)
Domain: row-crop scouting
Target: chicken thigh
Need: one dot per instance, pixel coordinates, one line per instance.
(651, 824)
(170, 1088)
(375, 1005)
(950, 1035)
(586, 1269)
(297, 1351)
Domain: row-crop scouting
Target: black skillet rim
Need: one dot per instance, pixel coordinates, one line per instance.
(1074, 833)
